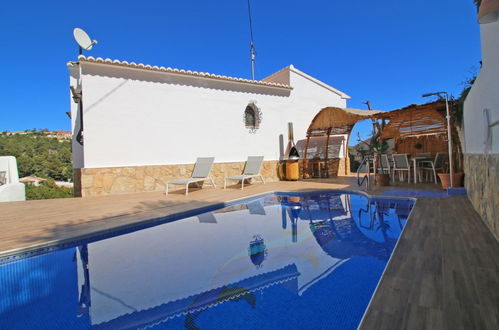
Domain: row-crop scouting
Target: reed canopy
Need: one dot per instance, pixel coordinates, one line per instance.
(414, 120)
(335, 121)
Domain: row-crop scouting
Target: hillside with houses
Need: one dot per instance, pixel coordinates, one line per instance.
(43, 159)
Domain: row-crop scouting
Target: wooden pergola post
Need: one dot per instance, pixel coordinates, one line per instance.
(347, 157)
(305, 161)
(327, 151)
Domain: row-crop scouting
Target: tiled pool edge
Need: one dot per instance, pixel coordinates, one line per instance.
(389, 261)
(50, 246)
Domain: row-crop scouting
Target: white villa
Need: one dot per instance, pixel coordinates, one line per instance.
(144, 125)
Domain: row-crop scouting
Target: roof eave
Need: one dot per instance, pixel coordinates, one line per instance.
(201, 75)
(318, 82)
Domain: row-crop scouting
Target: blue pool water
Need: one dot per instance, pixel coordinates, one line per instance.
(288, 261)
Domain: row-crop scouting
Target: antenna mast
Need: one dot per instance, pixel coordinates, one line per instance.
(252, 45)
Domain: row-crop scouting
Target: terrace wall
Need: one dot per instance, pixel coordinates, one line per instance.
(482, 182)
(136, 179)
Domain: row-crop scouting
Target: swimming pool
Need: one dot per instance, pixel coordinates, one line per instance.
(279, 260)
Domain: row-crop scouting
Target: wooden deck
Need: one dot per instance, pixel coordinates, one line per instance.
(444, 273)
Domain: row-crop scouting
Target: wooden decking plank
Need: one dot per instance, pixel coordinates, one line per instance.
(451, 271)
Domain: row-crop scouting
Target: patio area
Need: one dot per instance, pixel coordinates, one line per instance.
(443, 274)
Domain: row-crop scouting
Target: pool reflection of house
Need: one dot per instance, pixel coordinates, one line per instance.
(218, 259)
(209, 261)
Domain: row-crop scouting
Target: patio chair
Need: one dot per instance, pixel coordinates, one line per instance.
(422, 155)
(251, 170)
(201, 173)
(401, 163)
(384, 166)
(435, 165)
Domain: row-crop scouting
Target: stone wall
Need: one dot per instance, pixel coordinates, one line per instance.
(482, 183)
(134, 179)
(77, 182)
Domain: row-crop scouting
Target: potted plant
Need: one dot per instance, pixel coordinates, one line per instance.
(380, 148)
(457, 178)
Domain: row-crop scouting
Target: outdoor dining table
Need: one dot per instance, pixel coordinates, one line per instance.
(415, 161)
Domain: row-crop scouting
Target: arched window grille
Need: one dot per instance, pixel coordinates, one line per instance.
(252, 117)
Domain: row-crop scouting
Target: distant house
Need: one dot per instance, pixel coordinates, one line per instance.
(32, 180)
(354, 150)
(64, 184)
(16, 133)
(144, 125)
(60, 134)
(57, 134)
(481, 124)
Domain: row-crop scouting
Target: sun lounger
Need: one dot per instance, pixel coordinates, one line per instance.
(251, 170)
(201, 173)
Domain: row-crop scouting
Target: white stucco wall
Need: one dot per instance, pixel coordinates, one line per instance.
(12, 190)
(484, 95)
(136, 117)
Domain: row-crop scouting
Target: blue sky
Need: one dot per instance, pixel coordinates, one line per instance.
(388, 52)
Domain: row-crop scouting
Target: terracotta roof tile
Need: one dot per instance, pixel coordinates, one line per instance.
(91, 59)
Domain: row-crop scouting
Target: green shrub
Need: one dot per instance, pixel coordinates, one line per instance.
(48, 190)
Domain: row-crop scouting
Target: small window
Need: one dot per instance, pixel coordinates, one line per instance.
(252, 117)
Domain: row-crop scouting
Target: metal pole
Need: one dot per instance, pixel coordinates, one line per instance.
(252, 62)
(449, 142)
(368, 164)
(252, 45)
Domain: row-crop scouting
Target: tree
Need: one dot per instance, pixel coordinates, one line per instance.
(477, 3)
(39, 155)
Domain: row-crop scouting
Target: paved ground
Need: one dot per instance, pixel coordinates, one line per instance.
(444, 273)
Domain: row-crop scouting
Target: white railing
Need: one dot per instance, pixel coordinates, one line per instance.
(365, 164)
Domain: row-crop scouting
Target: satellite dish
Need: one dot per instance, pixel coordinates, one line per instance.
(83, 39)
